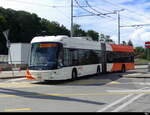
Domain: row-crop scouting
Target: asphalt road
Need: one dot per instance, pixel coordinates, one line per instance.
(98, 93)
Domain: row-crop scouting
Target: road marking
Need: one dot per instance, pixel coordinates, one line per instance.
(116, 102)
(88, 82)
(79, 94)
(114, 82)
(138, 83)
(122, 99)
(18, 85)
(127, 103)
(75, 94)
(130, 91)
(24, 109)
(4, 96)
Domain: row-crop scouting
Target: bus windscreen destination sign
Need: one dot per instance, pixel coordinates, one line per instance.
(48, 45)
(147, 44)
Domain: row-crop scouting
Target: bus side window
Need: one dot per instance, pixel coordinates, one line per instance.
(66, 60)
(60, 58)
(67, 57)
(74, 54)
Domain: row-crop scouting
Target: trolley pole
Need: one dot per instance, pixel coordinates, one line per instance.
(71, 32)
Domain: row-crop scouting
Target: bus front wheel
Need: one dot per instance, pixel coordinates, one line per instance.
(74, 74)
(98, 70)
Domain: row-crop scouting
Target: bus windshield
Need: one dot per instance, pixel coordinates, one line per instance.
(44, 56)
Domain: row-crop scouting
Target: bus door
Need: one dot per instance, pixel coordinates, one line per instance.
(104, 64)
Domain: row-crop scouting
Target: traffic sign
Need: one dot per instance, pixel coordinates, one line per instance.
(6, 34)
(147, 44)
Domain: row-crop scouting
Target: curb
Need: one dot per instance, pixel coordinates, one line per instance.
(12, 77)
(139, 75)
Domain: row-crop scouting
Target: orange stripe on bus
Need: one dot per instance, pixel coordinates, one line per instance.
(122, 48)
(118, 66)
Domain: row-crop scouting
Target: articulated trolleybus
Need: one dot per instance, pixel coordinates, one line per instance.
(62, 58)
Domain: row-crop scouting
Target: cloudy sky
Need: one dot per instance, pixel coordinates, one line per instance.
(135, 12)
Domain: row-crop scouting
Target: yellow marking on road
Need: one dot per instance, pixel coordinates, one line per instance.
(4, 96)
(88, 82)
(114, 82)
(24, 109)
(17, 85)
(76, 94)
(102, 93)
(28, 84)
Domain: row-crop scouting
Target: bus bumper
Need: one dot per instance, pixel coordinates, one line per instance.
(43, 75)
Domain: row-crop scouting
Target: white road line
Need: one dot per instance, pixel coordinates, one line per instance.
(127, 103)
(128, 91)
(137, 83)
(118, 101)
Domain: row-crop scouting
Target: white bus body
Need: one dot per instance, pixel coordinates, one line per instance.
(62, 58)
(63, 73)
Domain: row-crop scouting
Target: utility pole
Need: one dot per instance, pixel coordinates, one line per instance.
(71, 32)
(118, 15)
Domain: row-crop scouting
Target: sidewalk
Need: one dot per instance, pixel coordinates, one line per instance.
(141, 71)
(137, 75)
(10, 74)
(141, 66)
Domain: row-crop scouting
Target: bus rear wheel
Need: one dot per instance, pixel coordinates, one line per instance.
(123, 68)
(74, 74)
(98, 70)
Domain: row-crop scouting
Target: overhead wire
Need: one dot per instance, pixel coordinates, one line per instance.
(36, 4)
(131, 11)
(105, 14)
(86, 9)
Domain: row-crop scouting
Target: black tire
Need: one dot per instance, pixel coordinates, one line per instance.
(98, 70)
(74, 74)
(123, 69)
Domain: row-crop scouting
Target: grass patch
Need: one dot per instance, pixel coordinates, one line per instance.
(141, 61)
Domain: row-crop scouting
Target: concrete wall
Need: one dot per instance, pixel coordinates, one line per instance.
(19, 53)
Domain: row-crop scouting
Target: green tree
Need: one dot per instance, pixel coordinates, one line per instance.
(105, 38)
(139, 52)
(93, 34)
(24, 26)
(124, 43)
(147, 53)
(77, 31)
(130, 43)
